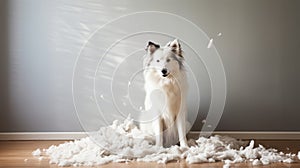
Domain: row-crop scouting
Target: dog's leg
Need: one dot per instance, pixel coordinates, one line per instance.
(147, 102)
(158, 130)
(181, 126)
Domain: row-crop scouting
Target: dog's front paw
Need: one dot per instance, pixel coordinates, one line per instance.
(184, 145)
(184, 148)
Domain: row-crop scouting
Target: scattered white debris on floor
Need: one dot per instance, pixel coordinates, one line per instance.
(37, 152)
(219, 34)
(25, 160)
(41, 158)
(299, 155)
(124, 142)
(256, 162)
(288, 160)
(226, 165)
(210, 43)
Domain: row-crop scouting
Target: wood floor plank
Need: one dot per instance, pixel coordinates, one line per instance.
(13, 153)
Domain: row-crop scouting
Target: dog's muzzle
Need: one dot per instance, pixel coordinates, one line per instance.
(164, 72)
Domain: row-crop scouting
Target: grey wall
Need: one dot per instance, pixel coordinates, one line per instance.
(259, 48)
(4, 84)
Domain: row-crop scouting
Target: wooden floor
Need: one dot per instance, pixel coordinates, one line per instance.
(13, 153)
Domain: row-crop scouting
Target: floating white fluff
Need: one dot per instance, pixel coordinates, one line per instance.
(210, 43)
(124, 142)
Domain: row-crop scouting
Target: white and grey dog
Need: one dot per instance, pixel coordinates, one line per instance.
(164, 72)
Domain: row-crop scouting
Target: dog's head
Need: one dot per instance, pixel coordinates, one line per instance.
(167, 60)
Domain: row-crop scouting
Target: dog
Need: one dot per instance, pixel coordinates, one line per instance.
(166, 89)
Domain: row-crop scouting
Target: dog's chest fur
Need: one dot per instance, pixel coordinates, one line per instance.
(172, 92)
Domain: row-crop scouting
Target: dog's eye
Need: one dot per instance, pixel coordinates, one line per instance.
(168, 60)
(157, 60)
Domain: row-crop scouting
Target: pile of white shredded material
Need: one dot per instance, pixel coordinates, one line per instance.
(124, 142)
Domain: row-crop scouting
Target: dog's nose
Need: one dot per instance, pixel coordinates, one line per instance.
(164, 71)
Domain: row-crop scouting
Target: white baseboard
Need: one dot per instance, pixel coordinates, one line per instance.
(258, 135)
(192, 134)
(41, 135)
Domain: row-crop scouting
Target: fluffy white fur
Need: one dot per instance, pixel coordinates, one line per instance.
(166, 88)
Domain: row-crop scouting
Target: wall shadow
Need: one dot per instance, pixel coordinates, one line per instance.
(4, 67)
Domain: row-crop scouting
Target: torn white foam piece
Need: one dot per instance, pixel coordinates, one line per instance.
(219, 34)
(288, 160)
(299, 155)
(37, 152)
(41, 158)
(102, 97)
(290, 155)
(256, 162)
(25, 160)
(226, 165)
(64, 163)
(227, 161)
(249, 152)
(203, 121)
(210, 43)
(265, 161)
(135, 145)
(211, 160)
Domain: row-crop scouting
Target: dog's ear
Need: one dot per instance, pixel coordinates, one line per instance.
(151, 47)
(176, 47)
